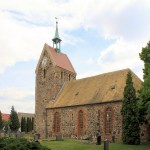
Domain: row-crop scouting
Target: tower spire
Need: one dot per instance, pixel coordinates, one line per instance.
(56, 40)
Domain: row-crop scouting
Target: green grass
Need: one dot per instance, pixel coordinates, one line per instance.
(69, 144)
(29, 136)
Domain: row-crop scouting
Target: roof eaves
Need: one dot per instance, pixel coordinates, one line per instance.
(111, 101)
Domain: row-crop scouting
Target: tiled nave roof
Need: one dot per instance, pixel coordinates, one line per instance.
(105, 87)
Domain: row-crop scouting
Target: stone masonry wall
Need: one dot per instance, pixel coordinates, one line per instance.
(47, 88)
(94, 119)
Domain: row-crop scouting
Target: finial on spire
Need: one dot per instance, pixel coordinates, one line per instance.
(56, 40)
(56, 20)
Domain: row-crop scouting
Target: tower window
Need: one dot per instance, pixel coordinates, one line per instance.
(61, 75)
(44, 73)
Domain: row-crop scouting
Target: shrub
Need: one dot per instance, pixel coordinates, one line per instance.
(20, 144)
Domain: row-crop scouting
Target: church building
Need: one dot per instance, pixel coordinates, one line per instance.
(77, 108)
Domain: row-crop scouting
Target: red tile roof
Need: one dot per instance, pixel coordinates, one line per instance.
(61, 59)
(5, 117)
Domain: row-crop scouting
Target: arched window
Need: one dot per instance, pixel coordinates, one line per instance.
(108, 121)
(56, 122)
(80, 122)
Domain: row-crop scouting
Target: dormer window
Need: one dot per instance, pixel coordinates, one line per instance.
(69, 77)
(113, 87)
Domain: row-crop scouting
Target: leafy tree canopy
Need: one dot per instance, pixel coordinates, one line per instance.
(144, 103)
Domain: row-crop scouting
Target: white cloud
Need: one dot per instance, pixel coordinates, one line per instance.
(19, 41)
(90, 61)
(89, 73)
(121, 55)
(21, 99)
(26, 25)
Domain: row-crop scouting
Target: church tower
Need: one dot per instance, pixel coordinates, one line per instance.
(53, 70)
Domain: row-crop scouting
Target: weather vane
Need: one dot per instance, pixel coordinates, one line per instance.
(56, 19)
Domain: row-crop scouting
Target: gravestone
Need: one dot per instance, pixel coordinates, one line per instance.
(106, 144)
(19, 134)
(58, 137)
(8, 131)
(2, 133)
(36, 137)
(113, 136)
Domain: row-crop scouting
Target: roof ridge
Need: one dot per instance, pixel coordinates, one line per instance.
(105, 73)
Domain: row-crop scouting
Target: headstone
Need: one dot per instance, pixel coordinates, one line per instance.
(36, 137)
(8, 131)
(2, 133)
(98, 138)
(113, 136)
(106, 145)
(58, 137)
(19, 134)
(94, 138)
(23, 133)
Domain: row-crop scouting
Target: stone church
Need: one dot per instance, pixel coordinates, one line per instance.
(77, 108)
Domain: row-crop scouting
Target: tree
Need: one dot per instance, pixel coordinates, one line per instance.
(22, 130)
(25, 123)
(130, 121)
(6, 126)
(148, 112)
(32, 123)
(144, 103)
(22, 125)
(14, 121)
(145, 56)
(1, 121)
(29, 124)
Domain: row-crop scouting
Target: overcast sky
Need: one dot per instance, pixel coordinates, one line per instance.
(97, 35)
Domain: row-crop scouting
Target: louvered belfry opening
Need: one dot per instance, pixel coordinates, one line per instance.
(80, 123)
(57, 122)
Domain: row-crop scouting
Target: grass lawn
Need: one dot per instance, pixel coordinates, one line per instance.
(69, 144)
